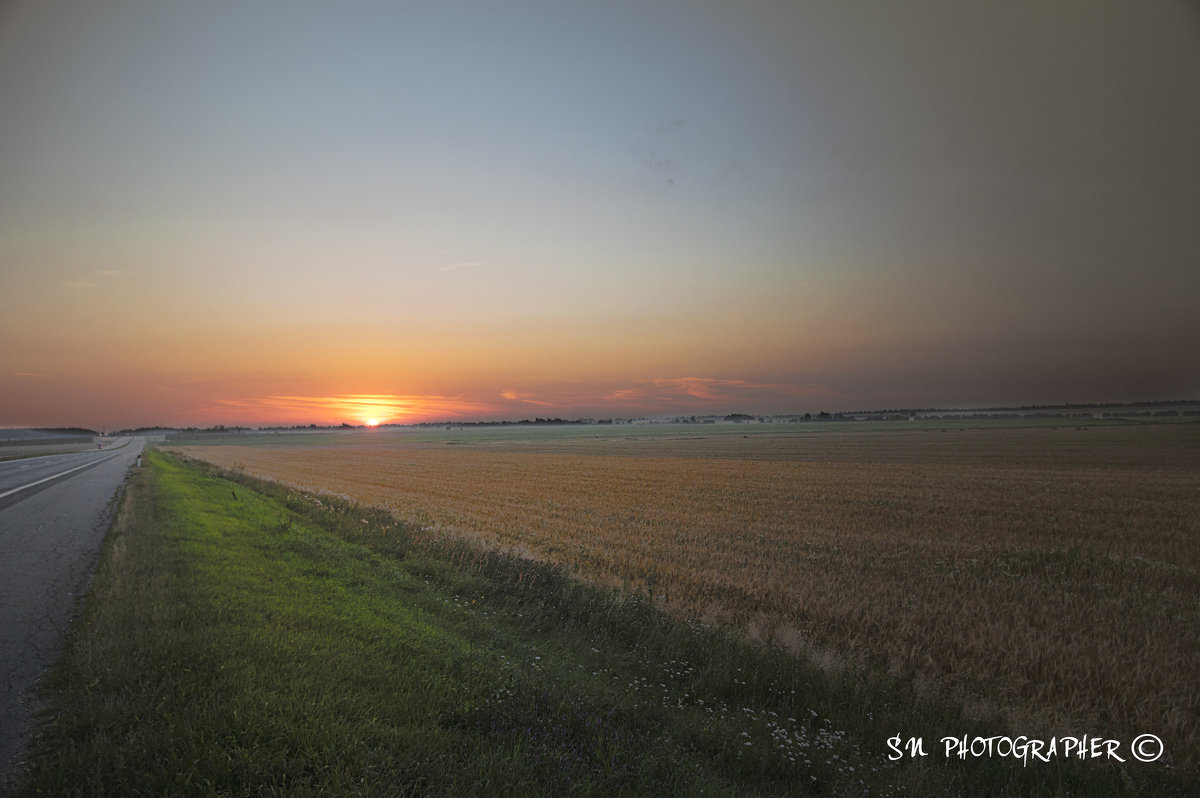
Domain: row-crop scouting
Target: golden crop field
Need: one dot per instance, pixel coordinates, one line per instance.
(1045, 578)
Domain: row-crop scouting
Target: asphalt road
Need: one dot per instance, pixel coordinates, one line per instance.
(54, 512)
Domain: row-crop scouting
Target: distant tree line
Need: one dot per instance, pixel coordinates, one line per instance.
(1185, 408)
(538, 420)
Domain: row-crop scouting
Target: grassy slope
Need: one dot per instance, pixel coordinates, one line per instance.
(244, 641)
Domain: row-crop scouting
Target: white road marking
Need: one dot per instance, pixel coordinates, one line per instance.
(55, 476)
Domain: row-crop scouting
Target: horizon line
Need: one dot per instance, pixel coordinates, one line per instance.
(594, 420)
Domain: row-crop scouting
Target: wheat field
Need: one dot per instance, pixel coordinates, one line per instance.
(1046, 579)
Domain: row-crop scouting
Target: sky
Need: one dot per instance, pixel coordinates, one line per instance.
(287, 212)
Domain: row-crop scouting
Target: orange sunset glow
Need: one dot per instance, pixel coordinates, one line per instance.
(363, 213)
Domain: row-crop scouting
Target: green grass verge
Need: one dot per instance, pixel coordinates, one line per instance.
(243, 639)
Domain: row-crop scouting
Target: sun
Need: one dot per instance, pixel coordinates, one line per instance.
(372, 422)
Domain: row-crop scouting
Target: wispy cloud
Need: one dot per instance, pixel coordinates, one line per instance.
(526, 398)
(90, 282)
(466, 264)
(650, 154)
(668, 391)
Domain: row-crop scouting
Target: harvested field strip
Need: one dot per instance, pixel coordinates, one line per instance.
(1052, 595)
